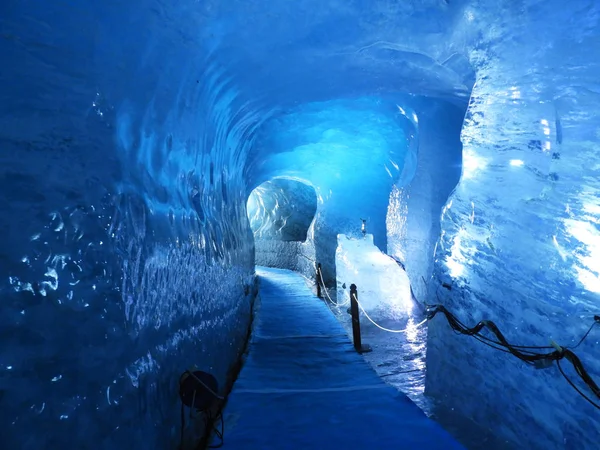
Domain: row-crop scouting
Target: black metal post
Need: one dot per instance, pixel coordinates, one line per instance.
(355, 318)
(360, 348)
(318, 279)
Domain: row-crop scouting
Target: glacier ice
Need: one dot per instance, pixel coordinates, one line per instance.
(132, 134)
(382, 285)
(282, 209)
(281, 214)
(351, 151)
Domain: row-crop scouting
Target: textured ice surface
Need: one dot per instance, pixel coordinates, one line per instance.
(350, 150)
(282, 210)
(416, 201)
(281, 214)
(126, 254)
(519, 236)
(381, 282)
(129, 138)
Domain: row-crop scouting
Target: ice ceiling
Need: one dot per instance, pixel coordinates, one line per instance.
(132, 134)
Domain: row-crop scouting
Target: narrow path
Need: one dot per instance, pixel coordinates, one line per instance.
(304, 387)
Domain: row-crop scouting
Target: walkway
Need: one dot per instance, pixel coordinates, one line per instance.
(304, 387)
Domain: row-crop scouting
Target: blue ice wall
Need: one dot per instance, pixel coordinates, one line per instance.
(126, 253)
(282, 209)
(281, 214)
(129, 145)
(429, 176)
(520, 235)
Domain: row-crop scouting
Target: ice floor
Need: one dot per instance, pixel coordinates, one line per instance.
(303, 385)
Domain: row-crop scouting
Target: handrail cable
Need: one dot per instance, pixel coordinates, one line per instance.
(327, 293)
(406, 330)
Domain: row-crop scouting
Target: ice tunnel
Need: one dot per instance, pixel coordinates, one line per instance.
(133, 135)
(281, 214)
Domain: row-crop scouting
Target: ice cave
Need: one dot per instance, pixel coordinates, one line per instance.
(437, 154)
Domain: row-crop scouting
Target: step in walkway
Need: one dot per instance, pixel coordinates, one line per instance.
(304, 387)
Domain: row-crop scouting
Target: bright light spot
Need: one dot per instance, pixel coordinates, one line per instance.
(455, 268)
(454, 263)
(411, 330)
(460, 254)
(544, 122)
(592, 208)
(382, 284)
(469, 16)
(588, 266)
(547, 145)
(547, 131)
(472, 164)
(516, 162)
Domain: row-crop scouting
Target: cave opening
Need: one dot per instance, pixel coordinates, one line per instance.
(281, 213)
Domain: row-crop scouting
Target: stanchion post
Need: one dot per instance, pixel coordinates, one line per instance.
(355, 318)
(360, 348)
(318, 280)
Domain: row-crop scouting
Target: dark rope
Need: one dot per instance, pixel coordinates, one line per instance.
(525, 353)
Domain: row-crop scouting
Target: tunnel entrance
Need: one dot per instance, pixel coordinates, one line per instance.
(281, 213)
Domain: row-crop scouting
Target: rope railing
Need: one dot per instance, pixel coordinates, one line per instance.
(324, 288)
(335, 303)
(540, 357)
(406, 330)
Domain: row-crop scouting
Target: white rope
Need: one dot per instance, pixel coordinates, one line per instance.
(327, 293)
(406, 330)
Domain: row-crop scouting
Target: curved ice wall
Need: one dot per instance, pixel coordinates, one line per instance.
(520, 235)
(126, 254)
(281, 214)
(129, 147)
(282, 209)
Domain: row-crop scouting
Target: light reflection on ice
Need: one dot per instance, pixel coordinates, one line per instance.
(588, 257)
(472, 164)
(382, 284)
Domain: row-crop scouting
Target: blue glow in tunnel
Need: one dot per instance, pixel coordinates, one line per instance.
(351, 151)
(353, 142)
(132, 135)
